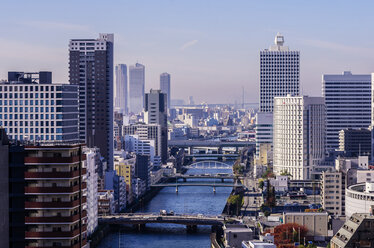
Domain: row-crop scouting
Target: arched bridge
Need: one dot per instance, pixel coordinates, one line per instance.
(209, 165)
(143, 218)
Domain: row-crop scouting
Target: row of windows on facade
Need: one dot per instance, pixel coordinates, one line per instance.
(29, 102)
(30, 109)
(30, 117)
(30, 88)
(33, 130)
(36, 137)
(87, 48)
(87, 43)
(30, 95)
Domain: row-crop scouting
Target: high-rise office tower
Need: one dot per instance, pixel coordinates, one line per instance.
(33, 108)
(348, 104)
(279, 76)
(279, 73)
(136, 88)
(298, 138)
(165, 85)
(91, 67)
(121, 89)
(155, 107)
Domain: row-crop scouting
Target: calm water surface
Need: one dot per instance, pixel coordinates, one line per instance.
(191, 200)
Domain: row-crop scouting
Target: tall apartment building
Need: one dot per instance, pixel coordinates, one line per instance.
(91, 68)
(92, 190)
(279, 76)
(121, 89)
(155, 107)
(299, 127)
(140, 146)
(55, 196)
(33, 108)
(146, 132)
(4, 191)
(348, 104)
(333, 192)
(136, 88)
(165, 86)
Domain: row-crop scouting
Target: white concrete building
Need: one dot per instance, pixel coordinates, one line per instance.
(280, 183)
(359, 198)
(333, 192)
(92, 190)
(348, 104)
(299, 126)
(140, 146)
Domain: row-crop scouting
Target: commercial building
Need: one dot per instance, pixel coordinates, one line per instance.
(136, 88)
(279, 73)
(348, 104)
(359, 198)
(165, 86)
(117, 184)
(235, 234)
(5, 213)
(145, 132)
(140, 146)
(121, 89)
(91, 68)
(355, 142)
(257, 244)
(35, 109)
(55, 196)
(333, 192)
(155, 108)
(357, 231)
(298, 135)
(315, 222)
(126, 169)
(264, 133)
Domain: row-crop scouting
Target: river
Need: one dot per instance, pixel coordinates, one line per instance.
(189, 200)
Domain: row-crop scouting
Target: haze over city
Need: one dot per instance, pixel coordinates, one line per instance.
(207, 46)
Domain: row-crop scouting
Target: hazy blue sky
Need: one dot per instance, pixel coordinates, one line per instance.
(210, 47)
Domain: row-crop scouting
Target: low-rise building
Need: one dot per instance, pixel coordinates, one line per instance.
(315, 222)
(257, 244)
(235, 234)
(280, 183)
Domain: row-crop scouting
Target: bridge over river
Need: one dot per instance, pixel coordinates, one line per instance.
(144, 218)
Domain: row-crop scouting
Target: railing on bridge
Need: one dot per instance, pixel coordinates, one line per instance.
(209, 165)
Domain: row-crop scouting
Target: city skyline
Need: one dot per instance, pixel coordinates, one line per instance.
(194, 50)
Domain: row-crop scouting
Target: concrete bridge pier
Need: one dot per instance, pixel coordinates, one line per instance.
(184, 179)
(222, 180)
(191, 228)
(139, 227)
(214, 189)
(176, 189)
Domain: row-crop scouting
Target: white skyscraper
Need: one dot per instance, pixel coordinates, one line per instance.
(299, 140)
(279, 73)
(279, 76)
(121, 89)
(348, 104)
(165, 85)
(136, 88)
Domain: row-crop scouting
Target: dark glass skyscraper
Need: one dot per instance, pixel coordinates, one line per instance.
(91, 67)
